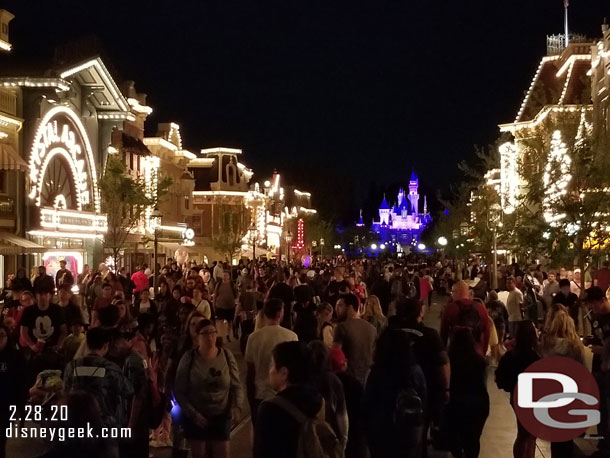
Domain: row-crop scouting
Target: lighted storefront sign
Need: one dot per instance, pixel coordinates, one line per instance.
(63, 177)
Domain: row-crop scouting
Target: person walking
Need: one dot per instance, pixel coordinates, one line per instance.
(246, 310)
(225, 300)
(354, 395)
(560, 338)
(100, 377)
(514, 303)
(395, 399)
(277, 429)
(513, 363)
(258, 354)
(209, 392)
(463, 311)
(468, 407)
(331, 389)
(355, 336)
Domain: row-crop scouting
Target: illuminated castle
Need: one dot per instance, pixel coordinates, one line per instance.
(403, 222)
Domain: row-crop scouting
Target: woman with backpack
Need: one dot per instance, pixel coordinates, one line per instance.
(395, 399)
(468, 407)
(209, 393)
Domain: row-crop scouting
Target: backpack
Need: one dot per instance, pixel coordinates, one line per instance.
(469, 317)
(316, 438)
(408, 410)
(410, 289)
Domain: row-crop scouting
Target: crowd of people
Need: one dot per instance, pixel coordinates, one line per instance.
(338, 359)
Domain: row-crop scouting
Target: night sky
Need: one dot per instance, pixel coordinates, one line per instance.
(334, 94)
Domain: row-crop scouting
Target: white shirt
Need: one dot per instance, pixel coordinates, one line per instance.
(204, 308)
(258, 352)
(513, 305)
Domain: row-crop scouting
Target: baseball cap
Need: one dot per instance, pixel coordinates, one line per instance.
(595, 293)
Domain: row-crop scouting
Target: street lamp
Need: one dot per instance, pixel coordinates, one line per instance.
(421, 247)
(442, 241)
(155, 222)
(494, 220)
(254, 238)
(321, 248)
(288, 239)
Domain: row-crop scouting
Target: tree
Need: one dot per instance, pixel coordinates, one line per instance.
(570, 192)
(124, 200)
(230, 227)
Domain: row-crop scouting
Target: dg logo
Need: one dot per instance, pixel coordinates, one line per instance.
(557, 399)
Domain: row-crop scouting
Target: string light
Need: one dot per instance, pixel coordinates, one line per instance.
(556, 178)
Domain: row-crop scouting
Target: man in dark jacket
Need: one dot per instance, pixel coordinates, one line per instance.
(276, 433)
(43, 282)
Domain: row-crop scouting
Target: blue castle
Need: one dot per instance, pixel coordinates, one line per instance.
(402, 222)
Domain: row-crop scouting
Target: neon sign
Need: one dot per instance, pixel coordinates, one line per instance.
(61, 133)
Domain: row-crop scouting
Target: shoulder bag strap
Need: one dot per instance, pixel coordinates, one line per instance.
(290, 408)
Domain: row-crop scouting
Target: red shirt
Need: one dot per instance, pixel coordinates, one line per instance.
(449, 321)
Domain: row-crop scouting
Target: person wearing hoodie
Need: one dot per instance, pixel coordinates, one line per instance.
(276, 432)
(561, 339)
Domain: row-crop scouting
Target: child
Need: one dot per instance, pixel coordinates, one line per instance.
(74, 340)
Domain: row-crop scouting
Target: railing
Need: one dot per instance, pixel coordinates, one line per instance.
(8, 101)
(7, 206)
(555, 44)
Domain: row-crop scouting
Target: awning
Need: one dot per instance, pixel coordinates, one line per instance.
(13, 244)
(10, 160)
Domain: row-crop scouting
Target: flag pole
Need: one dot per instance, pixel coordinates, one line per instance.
(566, 3)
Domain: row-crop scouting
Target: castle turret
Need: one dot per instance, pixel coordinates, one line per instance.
(413, 194)
(384, 212)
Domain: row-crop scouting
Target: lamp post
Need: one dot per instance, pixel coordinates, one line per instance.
(321, 248)
(493, 220)
(254, 238)
(288, 239)
(155, 222)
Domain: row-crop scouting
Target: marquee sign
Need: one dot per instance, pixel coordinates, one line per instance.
(62, 167)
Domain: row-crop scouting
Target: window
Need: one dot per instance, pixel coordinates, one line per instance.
(187, 201)
(2, 181)
(196, 224)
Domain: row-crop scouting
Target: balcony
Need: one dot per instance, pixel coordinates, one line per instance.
(8, 101)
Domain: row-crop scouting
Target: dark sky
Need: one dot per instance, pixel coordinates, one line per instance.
(334, 93)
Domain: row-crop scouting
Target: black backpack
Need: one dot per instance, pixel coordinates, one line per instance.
(410, 288)
(468, 317)
(409, 406)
